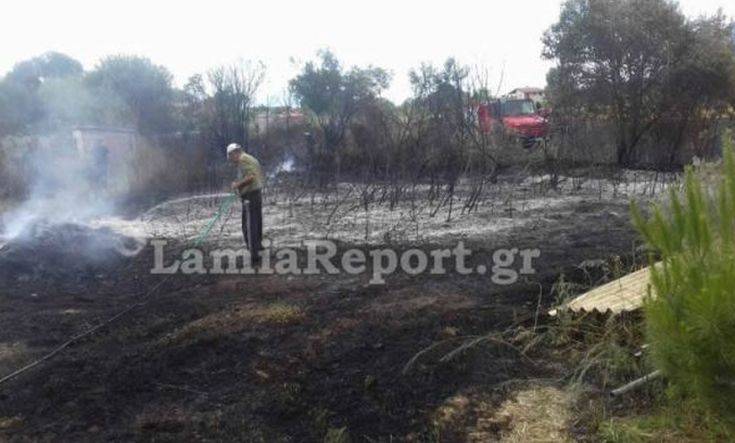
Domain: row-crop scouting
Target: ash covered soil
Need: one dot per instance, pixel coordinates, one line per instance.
(298, 358)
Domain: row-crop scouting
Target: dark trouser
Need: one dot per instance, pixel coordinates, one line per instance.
(252, 222)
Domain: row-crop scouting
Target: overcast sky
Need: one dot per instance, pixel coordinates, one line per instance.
(190, 37)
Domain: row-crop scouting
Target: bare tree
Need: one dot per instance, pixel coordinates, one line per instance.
(233, 89)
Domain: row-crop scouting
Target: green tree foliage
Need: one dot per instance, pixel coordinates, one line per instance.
(639, 63)
(335, 96)
(19, 108)
(66, 102)
(145, 88)
(50, 65)
(691, 319)
(22, 107)
(442, 95)
(52, 92)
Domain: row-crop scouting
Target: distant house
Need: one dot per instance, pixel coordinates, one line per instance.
(277, 117)
(108, 153)
(537, 95)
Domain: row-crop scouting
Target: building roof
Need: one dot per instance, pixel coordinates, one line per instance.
(91, 128)
(527, 90)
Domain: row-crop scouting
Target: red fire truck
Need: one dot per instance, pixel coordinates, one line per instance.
(515, 118)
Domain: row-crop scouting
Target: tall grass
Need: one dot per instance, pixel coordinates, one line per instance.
(690, 321)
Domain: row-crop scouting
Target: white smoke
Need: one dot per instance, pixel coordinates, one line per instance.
(287, 165)
(66, 186)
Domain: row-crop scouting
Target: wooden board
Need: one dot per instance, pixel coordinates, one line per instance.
(624, 294)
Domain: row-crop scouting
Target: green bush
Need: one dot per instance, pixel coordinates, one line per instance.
(690, 322)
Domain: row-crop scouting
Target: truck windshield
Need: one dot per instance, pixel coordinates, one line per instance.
(518, 107)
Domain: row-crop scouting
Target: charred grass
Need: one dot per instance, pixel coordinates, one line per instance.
(316, 358)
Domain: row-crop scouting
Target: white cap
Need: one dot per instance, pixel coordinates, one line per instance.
(233, 147)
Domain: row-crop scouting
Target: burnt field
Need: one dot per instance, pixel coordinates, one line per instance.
(300, 358)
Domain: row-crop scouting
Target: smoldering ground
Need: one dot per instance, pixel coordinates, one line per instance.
(290, 355)
(65, 186)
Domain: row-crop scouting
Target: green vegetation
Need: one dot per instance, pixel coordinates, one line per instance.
(337, 435)
(690, 323)
(675, 422)
(635, 61)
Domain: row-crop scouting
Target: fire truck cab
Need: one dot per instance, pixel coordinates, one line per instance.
(514, 118)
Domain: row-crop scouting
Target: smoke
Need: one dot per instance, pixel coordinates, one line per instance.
(286, 166)
(64, 186)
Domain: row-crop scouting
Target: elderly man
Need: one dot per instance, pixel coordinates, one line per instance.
(248, 186)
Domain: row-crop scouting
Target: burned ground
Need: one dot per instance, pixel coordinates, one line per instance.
(276, 358)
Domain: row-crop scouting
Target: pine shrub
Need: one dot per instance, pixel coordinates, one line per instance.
(690, 316)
